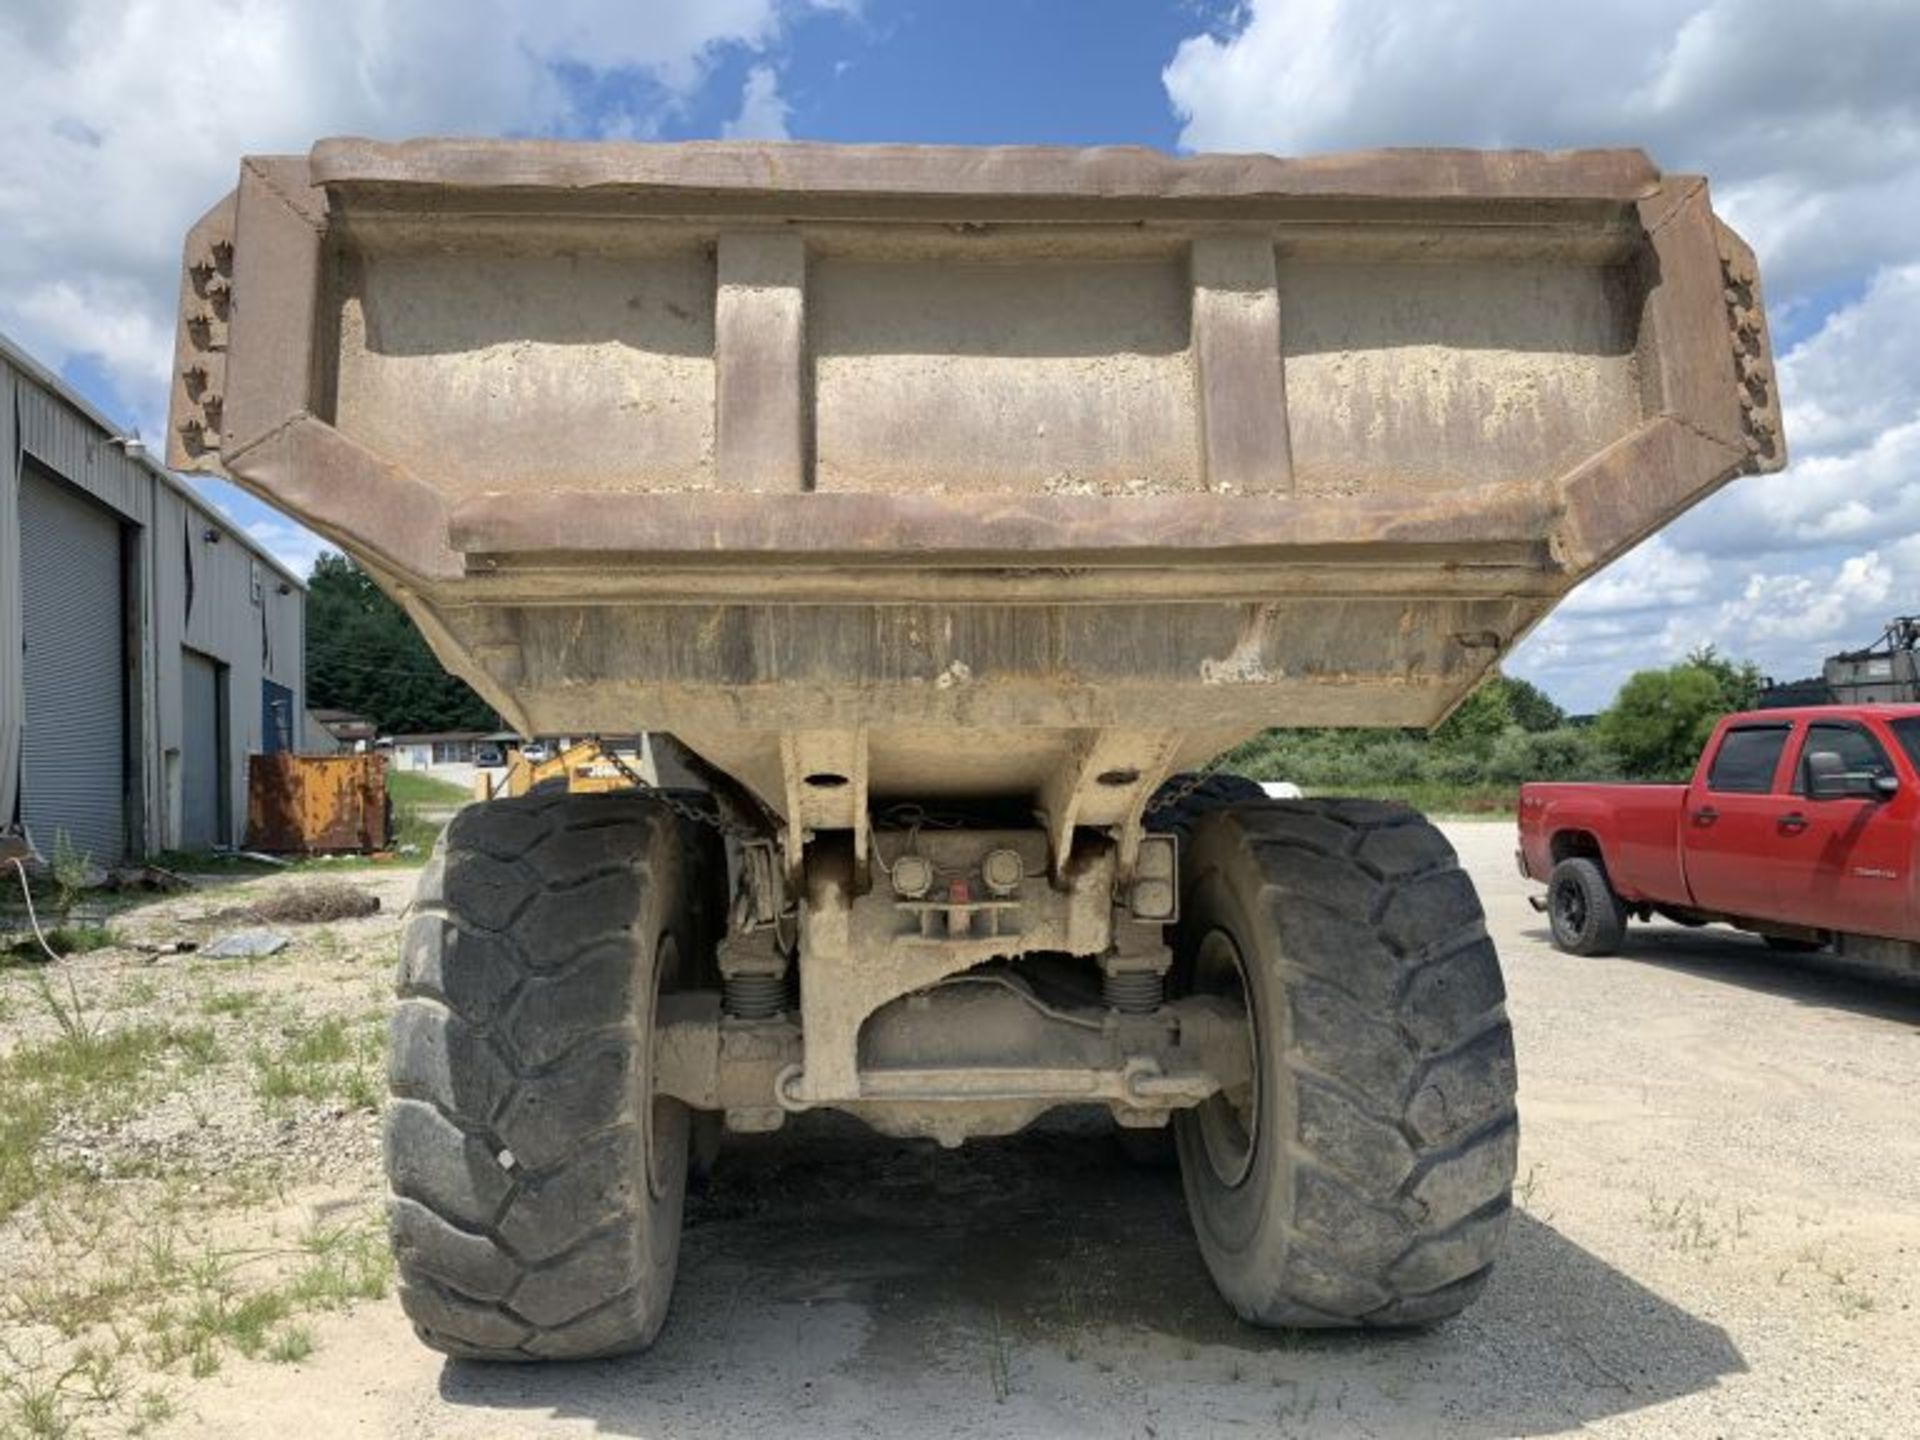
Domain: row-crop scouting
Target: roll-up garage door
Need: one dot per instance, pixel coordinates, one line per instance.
(74, 757)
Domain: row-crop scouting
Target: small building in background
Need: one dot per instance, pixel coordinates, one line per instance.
(443, 750)
(338, 732)
(147, 647)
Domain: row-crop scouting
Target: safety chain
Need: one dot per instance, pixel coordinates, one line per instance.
(1169, 799)
(685, 809)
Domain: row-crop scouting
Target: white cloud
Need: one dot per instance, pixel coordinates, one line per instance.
(1803, 607)
(1860, 372)
(1806, 116)
(124, 119)
(1653, 577)
(763, 113)
(292, 545)
(1863, 495)
(1804, 112)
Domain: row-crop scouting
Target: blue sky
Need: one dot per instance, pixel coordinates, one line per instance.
(1804, 112)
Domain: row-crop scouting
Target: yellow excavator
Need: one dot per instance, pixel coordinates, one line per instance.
(586, 767)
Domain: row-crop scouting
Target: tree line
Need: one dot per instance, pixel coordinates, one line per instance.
(365, 655)
(1509, 731)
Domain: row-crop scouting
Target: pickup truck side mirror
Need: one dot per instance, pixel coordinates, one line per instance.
(1829, 779)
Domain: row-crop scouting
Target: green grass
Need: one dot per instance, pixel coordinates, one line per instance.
(342, 1265)
(1474, 802)
(209, 862)
(412, 793)
(85, 1072)
(291, 1345)
(410, 787)
(238, 867)
(155, 1407)
(346, 1263)
(146, 1310)
(412, 835)
(63, 940)
(329, 1062)
(229, 1002)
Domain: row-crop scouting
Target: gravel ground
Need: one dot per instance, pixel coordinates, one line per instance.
(1718, 1235)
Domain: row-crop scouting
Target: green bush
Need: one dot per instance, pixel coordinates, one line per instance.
(1563, 754)
(1507, 733)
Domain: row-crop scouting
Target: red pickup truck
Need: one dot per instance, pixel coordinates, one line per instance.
(1801, 825)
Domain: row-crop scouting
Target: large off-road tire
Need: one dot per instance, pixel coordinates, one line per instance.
(1586, 917)
(1365, 1176)
(537, 1183)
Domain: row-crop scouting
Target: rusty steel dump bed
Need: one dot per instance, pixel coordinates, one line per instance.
(921, 471)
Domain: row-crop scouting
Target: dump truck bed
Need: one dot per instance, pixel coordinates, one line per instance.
(1017, 472)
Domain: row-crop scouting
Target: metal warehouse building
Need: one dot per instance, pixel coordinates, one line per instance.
(146, 646)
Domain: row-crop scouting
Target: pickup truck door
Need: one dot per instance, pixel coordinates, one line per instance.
(1852, 857)
(1730, 828)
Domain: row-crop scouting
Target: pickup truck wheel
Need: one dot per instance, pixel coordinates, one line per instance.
(536, 1183)
(1787, 945)
(1365, 1176)
(1587, 918)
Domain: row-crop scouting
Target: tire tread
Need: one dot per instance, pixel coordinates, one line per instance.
(511, 1191)
(1401, 1062)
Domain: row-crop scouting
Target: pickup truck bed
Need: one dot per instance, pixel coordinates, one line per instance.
(1801, 825)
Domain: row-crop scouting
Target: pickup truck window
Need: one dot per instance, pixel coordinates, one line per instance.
(1908, 733)
(1859, 752)
(1747, 758)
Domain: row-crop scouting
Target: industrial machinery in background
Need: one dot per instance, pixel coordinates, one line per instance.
(1884, 673)
(953, 509)
(593, 766)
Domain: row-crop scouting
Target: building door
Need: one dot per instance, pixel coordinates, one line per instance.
(276, 719)
(74, 756)
(203, 752)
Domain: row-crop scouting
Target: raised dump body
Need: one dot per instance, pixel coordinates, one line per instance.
(949, 505)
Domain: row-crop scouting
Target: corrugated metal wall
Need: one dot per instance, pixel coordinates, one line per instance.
(69, 444)
(219, 598)
(12, 696)
(244, 611)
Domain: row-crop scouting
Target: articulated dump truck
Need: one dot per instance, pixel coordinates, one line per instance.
(953, 510)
